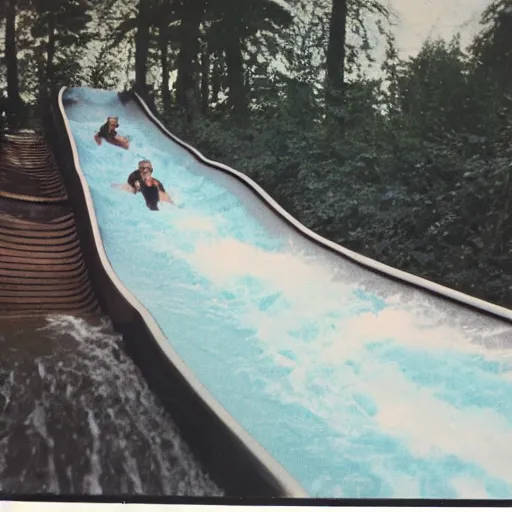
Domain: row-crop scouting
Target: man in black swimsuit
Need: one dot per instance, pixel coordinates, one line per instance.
(141, 180)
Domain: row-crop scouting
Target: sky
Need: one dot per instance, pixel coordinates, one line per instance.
(419, 19)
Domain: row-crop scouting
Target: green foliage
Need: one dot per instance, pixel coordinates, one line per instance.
(69, 17)
(491, 48)
(422, 180)
(103, 73)
(246, 18)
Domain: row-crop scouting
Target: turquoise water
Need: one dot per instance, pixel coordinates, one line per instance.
(357, 387)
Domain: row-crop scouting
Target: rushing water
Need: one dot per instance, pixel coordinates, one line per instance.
(78, 418)
(358, 386)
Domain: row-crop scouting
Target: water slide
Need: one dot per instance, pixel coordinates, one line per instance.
(330, 373)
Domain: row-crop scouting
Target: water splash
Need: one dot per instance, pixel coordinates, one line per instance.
(79, 417)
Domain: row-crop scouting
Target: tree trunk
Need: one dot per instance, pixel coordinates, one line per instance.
(13, 89)
(191, 17)
(216, 79)
(336, 54)
(205, 80)
(235, 68)
(164, 63)
(13, 107)
(142, 47)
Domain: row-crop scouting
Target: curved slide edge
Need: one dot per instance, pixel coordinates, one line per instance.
(363, 261)
(233, 457)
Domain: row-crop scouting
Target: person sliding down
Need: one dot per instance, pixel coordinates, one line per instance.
(141, 180)
(109, 133)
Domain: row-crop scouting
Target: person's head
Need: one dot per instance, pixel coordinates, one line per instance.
(112, 122)
(145, 168)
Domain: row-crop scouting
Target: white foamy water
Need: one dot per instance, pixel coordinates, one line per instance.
(79, 418)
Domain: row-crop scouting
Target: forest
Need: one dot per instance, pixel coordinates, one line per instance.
(405, 161)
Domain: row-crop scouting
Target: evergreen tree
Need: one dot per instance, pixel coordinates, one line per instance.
(60, 37)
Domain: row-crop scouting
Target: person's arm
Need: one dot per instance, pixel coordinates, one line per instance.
(103, 131)
(124, 186)
(99, 134)
(164, 196)
(133, 178)
(160, 186)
